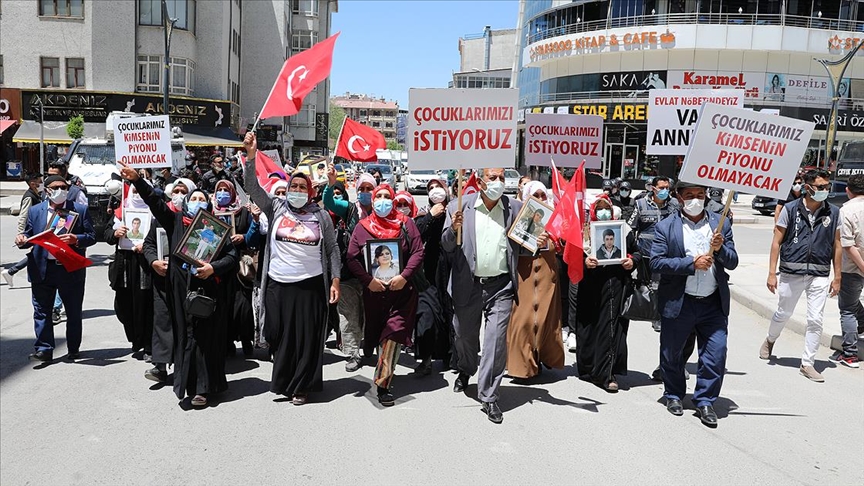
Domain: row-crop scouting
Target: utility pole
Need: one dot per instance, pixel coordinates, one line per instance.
(169, 29)
(41, 136)
(836, 70)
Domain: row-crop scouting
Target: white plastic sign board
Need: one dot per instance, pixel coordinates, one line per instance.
(673, 113)
(462, 128)
(143, 141)
(568, 139)
(747, 151)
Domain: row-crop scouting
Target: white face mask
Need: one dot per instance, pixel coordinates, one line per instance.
(494, 190)
(40, 189)
(177, 199)
(437, 195)
(694, 207)
(404, 210)
(297, 199)
(57, 196)
(796, 187)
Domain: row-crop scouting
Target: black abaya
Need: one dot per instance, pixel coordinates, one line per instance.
(129, 276)
(163, 328)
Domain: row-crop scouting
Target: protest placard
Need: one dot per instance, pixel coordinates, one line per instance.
(569, 139)
(462, 128)
(143, 141)
(747, 151)
(673, 113)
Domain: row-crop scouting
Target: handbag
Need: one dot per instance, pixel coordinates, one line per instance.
(197, 304)
(640, 303)
(248, 269)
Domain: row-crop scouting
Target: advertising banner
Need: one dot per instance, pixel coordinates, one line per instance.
(675, 112)
(569, 139)
(749, 82)
(747, 151)
(143, 141)
(462, 128)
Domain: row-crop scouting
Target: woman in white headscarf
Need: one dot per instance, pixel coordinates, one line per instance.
(534, 334)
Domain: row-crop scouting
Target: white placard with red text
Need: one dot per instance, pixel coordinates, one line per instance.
(143, 141)
(673, 114)
(747, 151)
(568, 139)
(462, 128)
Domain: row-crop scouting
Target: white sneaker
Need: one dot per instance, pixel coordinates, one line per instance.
(8, 278)
(571, 342)
(564, 334)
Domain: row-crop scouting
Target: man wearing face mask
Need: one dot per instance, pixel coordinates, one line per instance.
(483, 282)
(692, 257)
(48, 277)
(807, 245)
(627, 203)
(649, 211)
(795, 193)
(77, 192)
(217, 173)
(31, 198)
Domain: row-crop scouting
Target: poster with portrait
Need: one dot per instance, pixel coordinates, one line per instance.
(383, 259)
(137, 223)
(62, 221)
(607, 242)
(203, 239)
(530, 224)
(298, 229)
(775, 87)
(162, 244)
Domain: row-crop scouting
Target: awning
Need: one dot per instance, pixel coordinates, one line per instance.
(4, 124)
(55, 132)
(209, 137)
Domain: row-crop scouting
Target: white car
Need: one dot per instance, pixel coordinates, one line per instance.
(417, 180)
(511, 181)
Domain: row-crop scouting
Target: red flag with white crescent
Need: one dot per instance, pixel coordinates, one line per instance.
(359, 142)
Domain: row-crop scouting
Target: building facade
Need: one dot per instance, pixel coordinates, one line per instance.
(603, 57)
(378, 113)
(487, 59)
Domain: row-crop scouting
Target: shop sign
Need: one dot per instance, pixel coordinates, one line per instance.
(782, 87)
(10, 104)
(750, 82)
(618, 40)
(847, 120)
(842, 42)
(610, 112)
(633, 81)
(95, 107)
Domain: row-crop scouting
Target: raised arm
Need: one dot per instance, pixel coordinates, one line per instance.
(250, 181)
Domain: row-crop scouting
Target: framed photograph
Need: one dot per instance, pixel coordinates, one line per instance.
(203, 240)
(383, 259)
(162, 245)
(138, 223)
(62, 222)
(228, 218)
(607, 242)
(530, 224)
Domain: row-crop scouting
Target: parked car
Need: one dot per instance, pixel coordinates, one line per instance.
(765, 205)
(340, 173)
(511, 181)
(417, 180)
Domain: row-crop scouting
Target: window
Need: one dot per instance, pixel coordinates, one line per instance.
(150, 13)
(50, 72)
(303, 39)
(305, 118)
(74, 72)
(376, 112)
(149, 74)
(61, 8)
(234, 41)
(182, 71)
(305, 7)
(363, 113)
(376, 124)
(150, 71)
(388, 125)
(1, 70)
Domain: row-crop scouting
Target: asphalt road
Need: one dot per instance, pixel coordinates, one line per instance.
(98, 421)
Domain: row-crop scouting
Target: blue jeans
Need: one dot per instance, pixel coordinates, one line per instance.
(851, 311)
(58, 302)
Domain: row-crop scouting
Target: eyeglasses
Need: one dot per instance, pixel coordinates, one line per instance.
(821, 187)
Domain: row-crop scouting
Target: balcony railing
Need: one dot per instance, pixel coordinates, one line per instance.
(697, 18)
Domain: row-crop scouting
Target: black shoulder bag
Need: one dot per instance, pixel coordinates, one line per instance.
(197, 304)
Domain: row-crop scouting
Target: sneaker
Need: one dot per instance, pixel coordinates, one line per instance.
(56, 317)
(8, 278)
(353, 364)
(571, 342)
(849, 361)
(766, 349)
(565, 333)
(157, 375)
(811, 374)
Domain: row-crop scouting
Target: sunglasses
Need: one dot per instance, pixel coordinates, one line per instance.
(821, 187)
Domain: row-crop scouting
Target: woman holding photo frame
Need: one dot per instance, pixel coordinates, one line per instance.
(534, 333)
(601, 332)
(199, 347)
(130, 276)
(300, 272)
(390, 308)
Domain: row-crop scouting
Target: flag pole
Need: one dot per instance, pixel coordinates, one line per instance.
(729, 198)
(340, 134)
(459, 206)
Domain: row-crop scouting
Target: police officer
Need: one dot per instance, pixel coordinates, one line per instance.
(627, 202)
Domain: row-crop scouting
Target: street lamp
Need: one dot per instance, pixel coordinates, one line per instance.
(836, 70)
(169, 29)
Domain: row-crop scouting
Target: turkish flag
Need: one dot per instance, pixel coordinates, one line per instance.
(566, 223)
(264, 166)
(300, 74)
(470, 186)
(64, 254)
(559, 184)
(358, 142)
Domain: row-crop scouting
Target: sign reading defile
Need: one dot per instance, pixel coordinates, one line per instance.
(673, 113)
(568, 139)
(462, 128)
(143, 141)
(747, 151)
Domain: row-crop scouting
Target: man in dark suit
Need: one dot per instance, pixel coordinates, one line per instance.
(692, 257)
(482, 282)
(48, 277)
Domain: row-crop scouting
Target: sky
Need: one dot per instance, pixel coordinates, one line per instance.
(389, 46)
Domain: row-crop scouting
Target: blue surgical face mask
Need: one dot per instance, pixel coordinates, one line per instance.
(604, 214)
(194, 206)
(337, 197)
(663, 194)
(297, 199)
(364, 198)
(819, 196)
(223, 198)
(383, 207)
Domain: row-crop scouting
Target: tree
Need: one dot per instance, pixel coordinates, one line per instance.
(337, 116)
(394, 145)
(75, 127)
